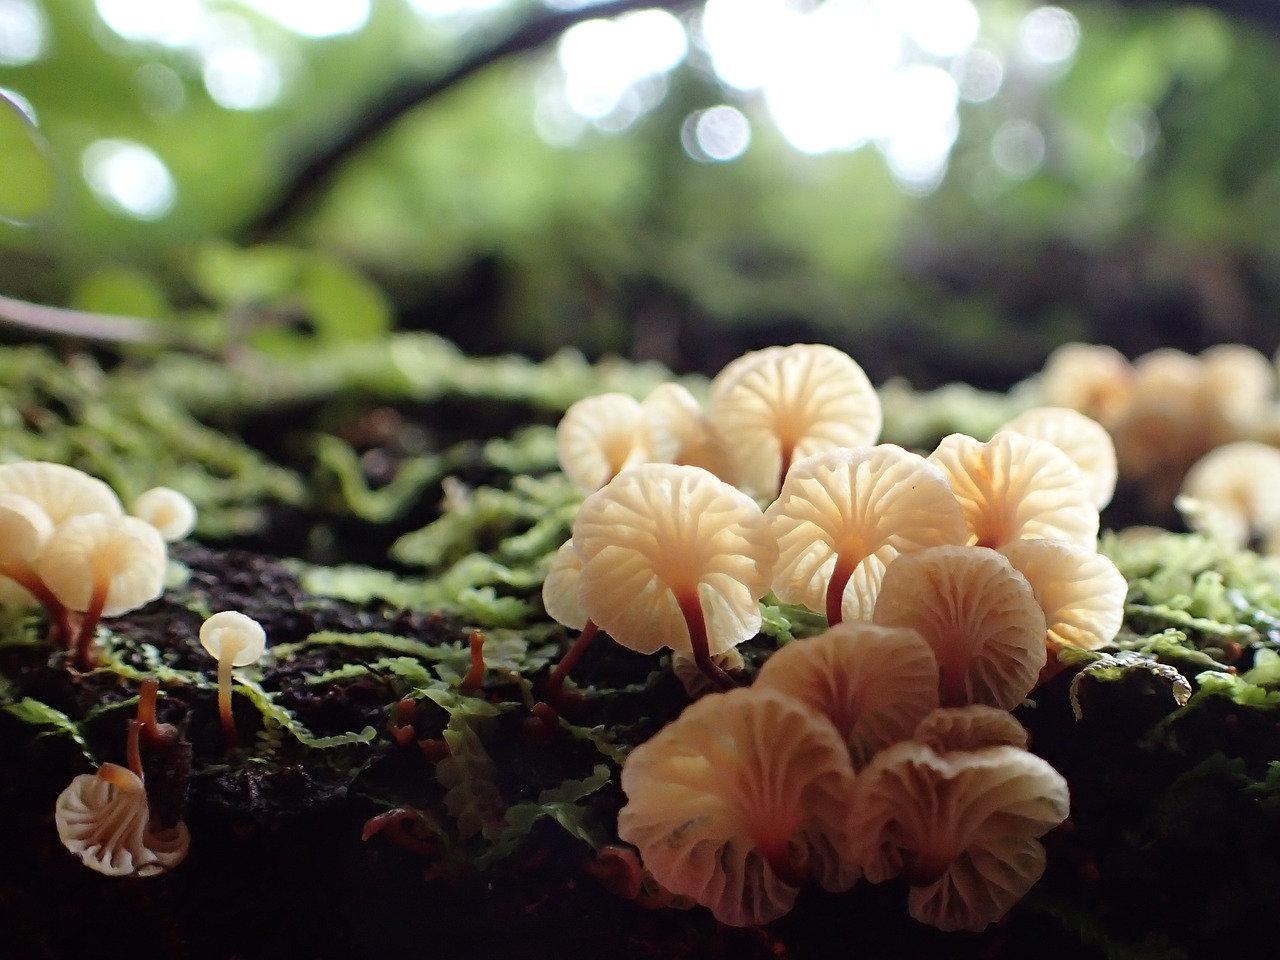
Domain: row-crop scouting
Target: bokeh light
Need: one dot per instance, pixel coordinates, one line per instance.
(23, 32)
(1048, 36)
(716, 135)
(315, 18)
(129, 179)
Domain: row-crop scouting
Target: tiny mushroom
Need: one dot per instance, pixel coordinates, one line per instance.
(1094, 379)
(172, 513)
(24, 530)
(1081, 438)
(1080, 591)
(674, 557)
(102, 565)
(1240, 379)
(738, 802)
(970, 728)
(680, 431)
(560, 600)
(59, 490)
(601, 435)
(234, 640)
(1233, 492)
(978, 614)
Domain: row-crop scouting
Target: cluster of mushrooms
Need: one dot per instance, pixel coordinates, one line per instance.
(883, 747)
(68, 545)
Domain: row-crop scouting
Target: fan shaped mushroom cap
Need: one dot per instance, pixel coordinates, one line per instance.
(843, 515)
(694, 681)
(740, 786)
(961, 827)
(59, 490)
(24, 530)
(1080, 591)
(1014, 486)
(104, 819)
(231, 633)
(680, 432)
(600, 436)
(172, 513)
(560, 588)
(1240, 379)
(788, 403)
(978, 614)
(1081, 438)
(1233, 492)
(662, 535)
(1094, 379)
(88, 552)
(873, 683)
(970, 728)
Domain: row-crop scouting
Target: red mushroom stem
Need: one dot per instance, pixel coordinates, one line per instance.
(840, 575)
(224, 700)
(691, 607)
(475, 675)
(157, 735)
(555, 683)
(85, 656)
(133, 750)
(59, 615)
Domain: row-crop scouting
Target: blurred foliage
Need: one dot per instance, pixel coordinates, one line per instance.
(473, 225)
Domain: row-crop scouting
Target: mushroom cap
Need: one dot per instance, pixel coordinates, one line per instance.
(600, 436)
(1014, 486)
(59, 490)
(873, 683)
(104, 819)
(948, 729)
(560, 588)
(1235, 492)
(791, 401)
(1096, 380)
(694, 681)
(863, 504)
(1081, 438)
(680, 432)
(961, 826)
(172, 513)
(85, 551)
(24, 530)
(1240, 379)
(659, 532)
(737, 779)
(1080, 591)
(978, 614)
(232, 632)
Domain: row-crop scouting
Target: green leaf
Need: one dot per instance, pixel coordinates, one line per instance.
(560, 804)
(276, 715)
(123, 291)
(341, 303)
(40, 714)
(28, 182)
(470, 781)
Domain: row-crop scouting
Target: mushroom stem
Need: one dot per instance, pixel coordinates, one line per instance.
(133, 750)
(788, 451)
(777, 854)
(55, 609)
(691, 607)
(158, 735)
(840, 575)
(475, 673)
(555, 683)
(85, 656)
(224, 698)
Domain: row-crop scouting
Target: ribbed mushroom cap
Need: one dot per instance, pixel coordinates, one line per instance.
(789, 403)
(661, 533)
(87, 552)
(560, 588)
(1094, 379)
(104, 819)
(873, 683)
(694, 681)
(1014, 486)
(970, 728)
(740, 785)
(1080, 591)
(231, 633)
(172, 513)
(1233, 492)
(978, 614)
(598, 437)
(960, 827)
(680, 431)
(848, 513)
(1240, 379)
(24, 530)
(1081, 438)
(59, 490)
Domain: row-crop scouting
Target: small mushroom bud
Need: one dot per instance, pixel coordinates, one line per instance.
(170, 512)
(234, 640)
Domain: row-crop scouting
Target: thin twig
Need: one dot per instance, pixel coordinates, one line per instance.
(314, 172)
(83, 325)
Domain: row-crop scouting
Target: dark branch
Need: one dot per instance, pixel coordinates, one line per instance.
(314, 172)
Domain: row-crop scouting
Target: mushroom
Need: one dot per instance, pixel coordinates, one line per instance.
(24, 530)
(1081, 438)
(234, 640)
(1094, 379)
(1080, 591)
(873, 683)
(600, 436)
(961, 827)
(560, 599)
(1233, 492)
(969, 728)
(102, 565)
(786, 403)
(739, 801)
(673, 557)
(843, 515)
(59, 490)
(694, 681)
(680, 432)
(172, 513)
(1239, 379)
(1014, 486)
(978, 614)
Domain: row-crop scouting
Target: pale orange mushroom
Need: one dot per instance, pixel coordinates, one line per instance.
(1233, 492)
(24, 530)
(234, 640)
(1094, 379)
(970, 728)
(60, 491)
(170, 511)
(1081, 438)
(600, 436)
(1080, 591)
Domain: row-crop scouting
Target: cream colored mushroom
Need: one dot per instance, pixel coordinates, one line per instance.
(1233, 493)
(962, 828)
(24, 530)
(738, 802)
(59, 490)
(789, 403)
(234, 640)
(680, 431)
(560, 598)
(843, 515)
(1080, 591)
(600, 436)
(1014, 486)
(1081, 438)
(1094, 379)
(102, 565)
(673, 557)
(1240, 379)
(695, 682)
(105, 820)
(172, 513)
(873, 683)
(978, 614)
(970, 728)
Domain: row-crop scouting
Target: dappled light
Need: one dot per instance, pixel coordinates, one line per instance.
(129, 179)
